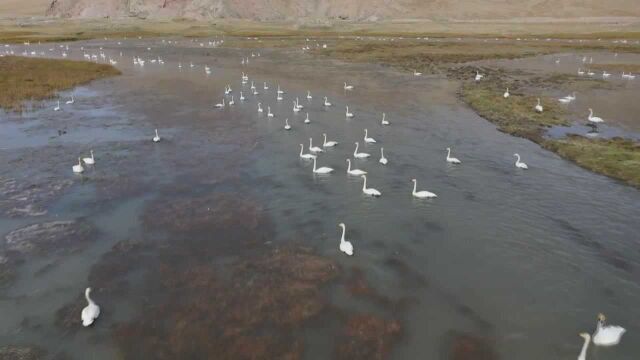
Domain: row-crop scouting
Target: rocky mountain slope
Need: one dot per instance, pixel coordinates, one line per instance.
(361, 10)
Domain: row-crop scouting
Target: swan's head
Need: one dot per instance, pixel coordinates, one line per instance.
(363, 176)
(590, 110)
(341, 225)
(414, 180)
(601, 317)
(585, 336)
(87, 291)
(356, 143)
(448, 149)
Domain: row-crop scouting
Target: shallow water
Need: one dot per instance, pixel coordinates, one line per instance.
(525, 258)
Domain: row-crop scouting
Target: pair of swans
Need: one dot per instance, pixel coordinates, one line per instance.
(421, 194)
(227, 90)
(605, 335)
(368, 139)
(90, 312)
(538, 108)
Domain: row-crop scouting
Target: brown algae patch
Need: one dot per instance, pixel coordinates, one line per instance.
(24, 79)
(367, 337)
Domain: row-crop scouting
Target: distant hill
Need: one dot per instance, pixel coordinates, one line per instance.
(360, 10)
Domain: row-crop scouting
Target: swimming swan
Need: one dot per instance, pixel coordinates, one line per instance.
(286, 124)
(384, 120)
(359, 155)
(220, 105)
(355, 172)
(345, 246)
(309, 97)
(78, 169)
(348, 114)
(57, 106)
(452, 159)
(90, 312)
(421, 194)
(328, 143)
(322, 170)
(383, 160)
(306, 120)
(369, 191)
(89, 160)
(607, 335)
(157, 137)
(326, 102)
(348, 87)
(314, 148)
(520, 164)
(269, 113)
(368, 139)
(69, 102)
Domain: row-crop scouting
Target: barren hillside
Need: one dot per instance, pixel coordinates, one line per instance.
(343, 9)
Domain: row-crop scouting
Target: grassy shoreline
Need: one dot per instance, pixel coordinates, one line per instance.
(25, 79)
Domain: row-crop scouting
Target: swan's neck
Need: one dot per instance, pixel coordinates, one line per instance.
(366, 134)
(381, 152)
(314, 164)
(583, 352)
(301, 149)
(86, 295)
(364, 184)
(518, 158)
(325, 135)
(342, 237)
(415, 185)
(448, 153)
(348, 165)
(356, 150)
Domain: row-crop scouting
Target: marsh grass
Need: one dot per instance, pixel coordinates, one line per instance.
(24, 79)
(617, 158)
(632, 68)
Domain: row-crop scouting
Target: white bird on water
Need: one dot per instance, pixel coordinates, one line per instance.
(359, 155)
(90, 312)
(355, 172)
(157, 137)
(478, 76)
(368, 139)
(321, 170)
(306, 120)
(452, 159)
(369, 191)
(314, 148)
(348, 114)
(328, 143)
(326, 102)
(57, 106)
(286, 124)
(607, 335)
(383, 160)
(295, 107)
(348, 87)
(220, 105)
(89, 160)
(260, 107)
(69, 102)
(421, 194)
(305, 156)
(345, 246)
(520, 164)
(384, 120)
(269, 113)
(594, 119)
(309, 97)
(538, 107)
(241, 96)
(78, 169)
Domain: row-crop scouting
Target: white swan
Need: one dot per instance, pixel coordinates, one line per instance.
(348, 87)
(572, 96)
(241, 96)
(321, 170)
(220, 105)
(279, 97)
(369, 191)
(478, 76)
(157, 137)
(368, 139)
(538, 107)
(383, 160)
(78, 169)
(286, 124)
(355, 172)
(506, 94)
(314, 148)
(306, 156)
(89, 160)
(416, 73)
(295, 107)
(280, 91)
(326, 102)
(605, 74)
(328, 143)
(265, 86)
(269, 113)
(309, 97)
(260, 107)
(607, 335)
(520, 164)
(359, 155)
(69, 102)
(580, 72)
(253, 86)
(452, 159)
(57, 106)
(564, 100)
(345, 246)
(348, 114)
(583, 351)
(421, 194)
(384, 120)
(594, 119)
(306, 120)
(90, 312)
(298, 103)
(232, 102)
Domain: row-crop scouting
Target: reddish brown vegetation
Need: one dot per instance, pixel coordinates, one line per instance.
(368, 337)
